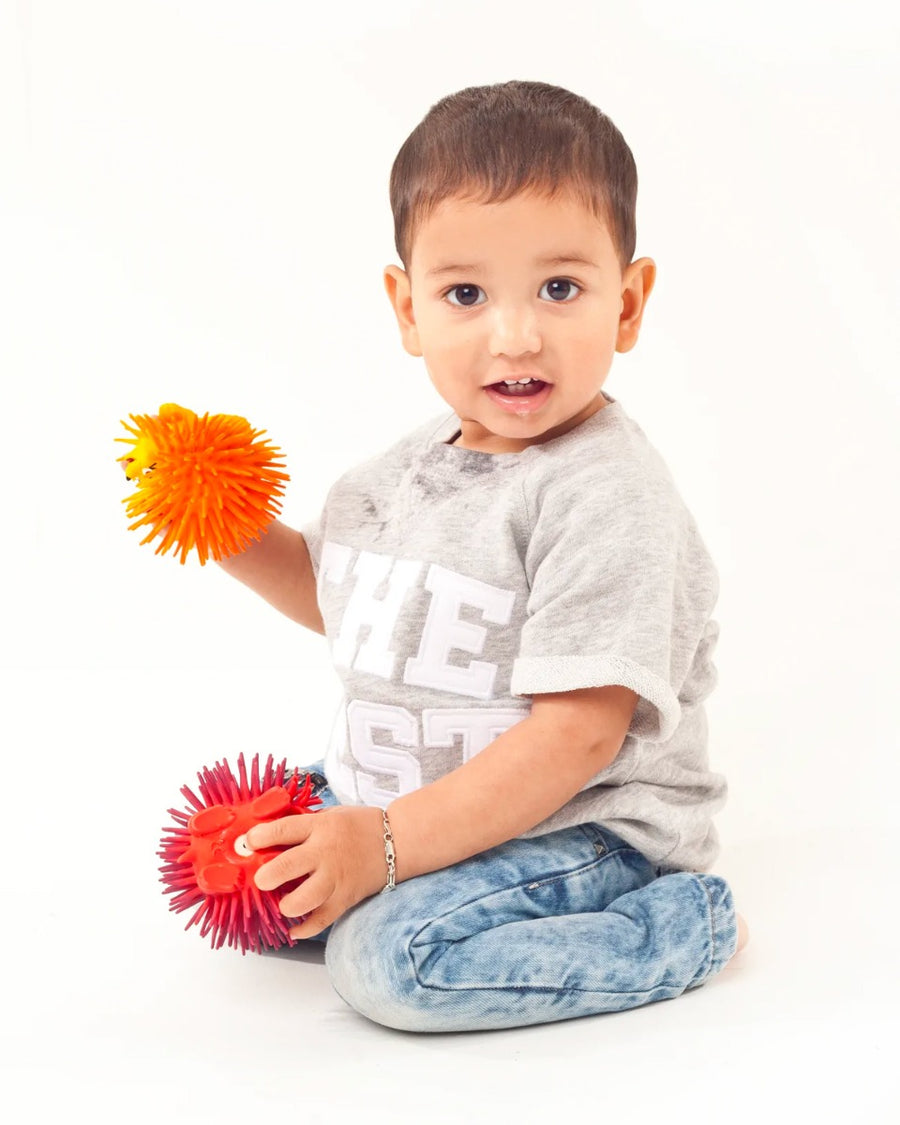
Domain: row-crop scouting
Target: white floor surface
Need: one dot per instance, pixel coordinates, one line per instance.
(112, 1012)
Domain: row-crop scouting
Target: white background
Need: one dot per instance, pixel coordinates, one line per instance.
(194, 208)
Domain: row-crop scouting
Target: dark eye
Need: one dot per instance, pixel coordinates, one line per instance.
(561, 290)
(467, 293)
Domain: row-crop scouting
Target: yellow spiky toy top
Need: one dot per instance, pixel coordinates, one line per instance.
(203, 482)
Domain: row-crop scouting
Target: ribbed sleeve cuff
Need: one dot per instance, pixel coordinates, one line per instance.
(314, 545)
(658, 712)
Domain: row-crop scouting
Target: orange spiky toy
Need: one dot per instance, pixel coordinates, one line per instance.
(204, 482)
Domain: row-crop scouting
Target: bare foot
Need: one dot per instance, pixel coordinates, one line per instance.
(743, 933)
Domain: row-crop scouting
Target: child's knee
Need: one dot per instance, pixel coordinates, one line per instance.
(371, 969)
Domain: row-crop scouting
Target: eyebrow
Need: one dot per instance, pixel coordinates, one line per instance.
(556, 260)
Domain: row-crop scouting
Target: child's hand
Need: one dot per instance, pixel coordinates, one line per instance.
(340, 850)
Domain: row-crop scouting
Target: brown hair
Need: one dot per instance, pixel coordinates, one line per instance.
(491, 142)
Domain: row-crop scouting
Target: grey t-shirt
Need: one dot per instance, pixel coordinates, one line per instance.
(454, 585)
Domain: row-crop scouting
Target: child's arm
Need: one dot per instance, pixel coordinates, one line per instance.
(517, 781)
(278, 568)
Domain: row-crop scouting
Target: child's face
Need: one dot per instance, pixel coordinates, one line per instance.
(492, 295)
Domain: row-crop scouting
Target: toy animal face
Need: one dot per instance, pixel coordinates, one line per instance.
(145, 452)
(222, 860)
(142, 459)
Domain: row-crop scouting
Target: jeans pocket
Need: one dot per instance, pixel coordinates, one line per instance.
(605, 840)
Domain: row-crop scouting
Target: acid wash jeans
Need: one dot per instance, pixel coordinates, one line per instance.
(572, 923)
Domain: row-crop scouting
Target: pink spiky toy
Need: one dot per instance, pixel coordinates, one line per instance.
(207, 863)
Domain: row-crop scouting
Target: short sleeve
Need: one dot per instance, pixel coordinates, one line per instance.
(313, 533)
(621, 591)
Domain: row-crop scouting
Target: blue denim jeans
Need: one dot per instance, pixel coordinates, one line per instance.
(572, 923)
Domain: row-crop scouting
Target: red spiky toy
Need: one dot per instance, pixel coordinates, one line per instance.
(208, 864)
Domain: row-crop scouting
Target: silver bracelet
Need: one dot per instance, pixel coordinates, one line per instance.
(389, 854)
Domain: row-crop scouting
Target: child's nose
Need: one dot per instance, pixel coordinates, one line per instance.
(514, 331)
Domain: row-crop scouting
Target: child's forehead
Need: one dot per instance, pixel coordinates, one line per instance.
(549, 228)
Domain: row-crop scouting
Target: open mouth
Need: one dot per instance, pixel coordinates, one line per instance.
(520, 396)
(519, 388)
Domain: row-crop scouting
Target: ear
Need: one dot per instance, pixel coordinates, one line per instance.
(637, 282)
(397, 284)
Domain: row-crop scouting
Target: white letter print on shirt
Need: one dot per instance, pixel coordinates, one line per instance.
(365, 718)
(477, 728)
(363, 608)
(373, 755)
(443, 631)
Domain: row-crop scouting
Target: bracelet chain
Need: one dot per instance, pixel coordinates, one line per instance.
(389, 854)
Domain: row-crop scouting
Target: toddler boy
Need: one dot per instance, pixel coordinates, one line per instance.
(519, 605)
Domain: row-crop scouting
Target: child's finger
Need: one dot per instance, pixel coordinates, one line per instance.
(280, 833)
(308, 897)
(292, 864)
(312, 924)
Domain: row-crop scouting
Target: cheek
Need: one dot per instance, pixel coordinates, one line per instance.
(593, 351)
(441, 370)
(446, 349)
(600, 340)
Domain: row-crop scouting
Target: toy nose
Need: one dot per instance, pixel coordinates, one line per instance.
(220, 878)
